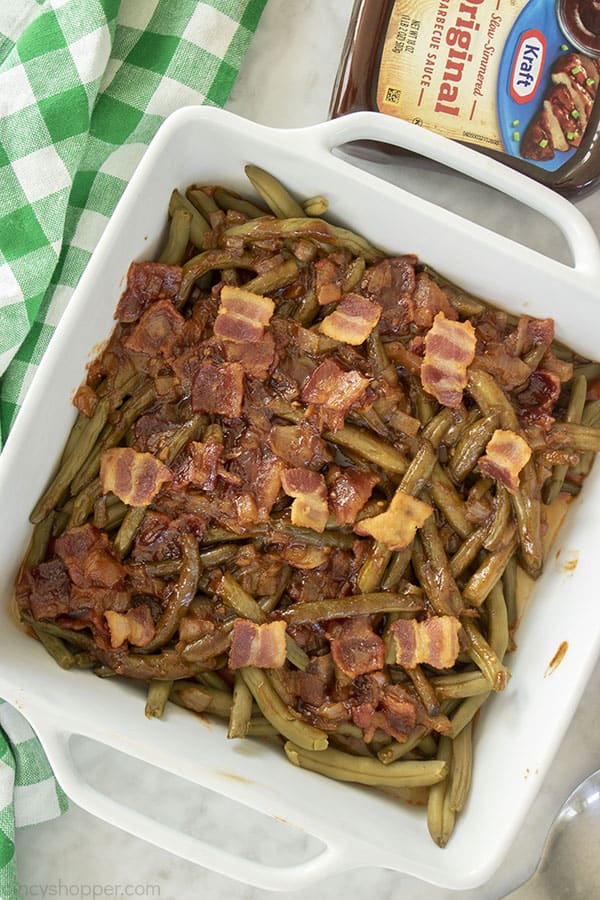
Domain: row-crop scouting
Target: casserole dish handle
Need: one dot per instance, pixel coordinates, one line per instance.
(340, 853)
(576, 230)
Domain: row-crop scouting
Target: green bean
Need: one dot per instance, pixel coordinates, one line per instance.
(462, 766)
(425, 689)
(466, 712)
(354, 274)
(40, 538)
(467, 552)
(404, 357)
(205, 262)
(438, 561)
(498, 636)
(109, 516)
(371, 571)
(202, 201)
(81, 450)
(279, 715)
(214, 681)
(509, 584)
(181, 596)
(490, 571)
(274, 279)
(307, 309)
(353, 605)
(526, 504)
(73, 438)
(69, 635)
(419, 470)
(83, 503)
(208, 646)
(425, 404)
(437, 593)
(156, 700)
(258, 726)
(322, 232)
(437, 427)
(315, 206)
(440, 816)
(491, 399)
(471, 445)
(165, 666)
(278, 199)
(198, 224)
(128, 529)
(465, 304)
(396, 569)
(371, 448)
(397, 750)
(484, 656)
(173, 252)
(55, 647)
(448, 500)
(575, 436)
(362, 770)
(241, 709)
(553, 486)
(500, 519)
(201, 699)
(227, 200)
(460, 685)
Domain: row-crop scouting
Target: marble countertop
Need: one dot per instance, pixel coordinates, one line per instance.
(286, 81)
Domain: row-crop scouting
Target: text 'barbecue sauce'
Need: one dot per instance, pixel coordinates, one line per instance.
(517, 80)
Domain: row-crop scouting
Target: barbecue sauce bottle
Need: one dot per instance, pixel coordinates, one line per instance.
(514, 79)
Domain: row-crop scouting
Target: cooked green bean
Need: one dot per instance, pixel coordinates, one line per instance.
(440, 815)
(80, 452)
(354, 274)
(509, 584)
(496, 528)
(419, 470)
(173, 252)
(198, 224)
(128, 529)
(448, 500)
(527, 505)
(205, 262)
(396, 569)
(40, 538)
(278, 713)
(165, 666)
(460, 685)
(438, 561)
(353, 605)
(156, 699)
(70, 636)
(241, 709)
(371, 571)
(490, 571)
(437, 427)
(226, 200)
(201, 699)
(202, 202)
(181, 596)
(55, 647)
(307, 309)
(437, 593)
(397, 750)
(466, 712)
(257, 230)
(425, 689)
(574, 413)
(361, 770)
(461, 770)
(497, 621)
(491, 399)
(274, 279)
(315, 206)
(83, 503)
(484, 656)
(471, 445)
(575, 436)
(278, 199)
(467, 552)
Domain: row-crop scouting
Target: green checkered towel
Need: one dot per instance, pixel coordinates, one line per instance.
(84, 85)
(29, 793)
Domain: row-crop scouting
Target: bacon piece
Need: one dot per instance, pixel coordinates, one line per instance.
(508, 370)
(391, 284)
(299, 445)
(309, 508)
(433, 642)
(353, 320)
(329, 273)
(146, 283)
(334, 392)
(429, 299)
(542, 391)
(135, 626)
(397, 526)
(355, 647)
(157, 331)
(505, 456)
(242, 315)
(159, 536)
(528, 334)
(218, 389)
(86, 400)
(255, 359)
(262, 646)
(199, 464)
(349, 490)
(305, 557)
(134, 477)
(88, 556)
(44, 590)
(449, 350)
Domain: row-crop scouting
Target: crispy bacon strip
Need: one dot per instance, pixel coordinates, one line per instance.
(309, 508)
(243, 315)
(397, 526)
(434, 642)
(200, 465)
(158, 330)
(505, 456)
(255, 359)
(89, 558)
(449, 350)
(135, 626)
(334, 391)
(134, 477)
(218, 389)
(349, 490)
(355, 647)
(146, 283)
(262, 646)
(353, 320)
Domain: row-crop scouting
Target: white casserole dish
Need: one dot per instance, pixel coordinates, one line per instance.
(520, 730)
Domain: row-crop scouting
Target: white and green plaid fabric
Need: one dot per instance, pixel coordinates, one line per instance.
(84, 85)
(29, 793)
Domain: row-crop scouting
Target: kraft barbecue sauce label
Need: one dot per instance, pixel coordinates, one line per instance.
(516, 77)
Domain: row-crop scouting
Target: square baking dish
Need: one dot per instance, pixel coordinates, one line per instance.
(519, 730)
